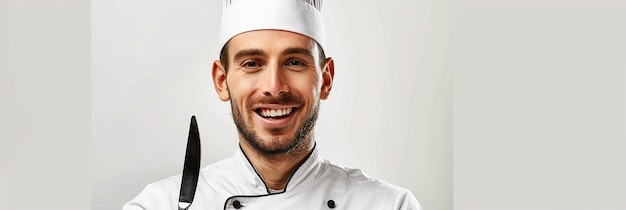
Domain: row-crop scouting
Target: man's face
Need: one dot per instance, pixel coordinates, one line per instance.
(274, 83)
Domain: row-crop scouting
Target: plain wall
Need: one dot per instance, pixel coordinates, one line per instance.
(389, 112)
(539, 105)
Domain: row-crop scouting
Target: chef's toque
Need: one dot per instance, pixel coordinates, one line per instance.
(299, 16)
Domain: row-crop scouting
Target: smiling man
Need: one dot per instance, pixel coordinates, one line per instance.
(274, 72)
(274, 81)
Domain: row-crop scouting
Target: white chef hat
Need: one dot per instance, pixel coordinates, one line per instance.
(299, 16)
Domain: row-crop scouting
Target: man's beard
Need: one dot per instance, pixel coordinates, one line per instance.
(274, 147)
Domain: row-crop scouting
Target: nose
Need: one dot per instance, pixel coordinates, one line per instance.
(275, 83)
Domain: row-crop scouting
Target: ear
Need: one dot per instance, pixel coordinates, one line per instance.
(328, 74)
(219, 80)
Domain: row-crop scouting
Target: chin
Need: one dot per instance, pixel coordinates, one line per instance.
(275, 144)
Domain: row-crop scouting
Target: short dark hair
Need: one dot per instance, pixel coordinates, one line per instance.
(224, 55)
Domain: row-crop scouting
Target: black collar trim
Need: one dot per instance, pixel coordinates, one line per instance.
(259, 175)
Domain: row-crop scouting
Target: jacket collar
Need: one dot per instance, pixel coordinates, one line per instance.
(304, 174)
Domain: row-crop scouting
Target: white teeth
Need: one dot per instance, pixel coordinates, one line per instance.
(275, 112)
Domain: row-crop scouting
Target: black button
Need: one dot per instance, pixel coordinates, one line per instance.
(331, 204)
(237, 204)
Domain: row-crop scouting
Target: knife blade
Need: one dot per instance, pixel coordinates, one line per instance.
(191, 168)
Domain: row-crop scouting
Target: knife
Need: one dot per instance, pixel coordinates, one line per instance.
(191, 169)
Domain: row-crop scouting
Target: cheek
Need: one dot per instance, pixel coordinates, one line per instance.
(307, 83)
(239, 86)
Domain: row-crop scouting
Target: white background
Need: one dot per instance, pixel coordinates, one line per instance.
(540, 104)
(389, 112)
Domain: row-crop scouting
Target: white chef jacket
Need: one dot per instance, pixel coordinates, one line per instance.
(233, 183)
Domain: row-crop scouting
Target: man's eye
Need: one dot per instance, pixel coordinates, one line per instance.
(295, 63)
(251, 64)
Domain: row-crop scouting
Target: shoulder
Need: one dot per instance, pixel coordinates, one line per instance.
(360, 186)
(156, 195)
(164, 193)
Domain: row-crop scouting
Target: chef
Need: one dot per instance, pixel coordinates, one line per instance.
(273, 70)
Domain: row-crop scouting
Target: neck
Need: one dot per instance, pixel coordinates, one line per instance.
(276, 169)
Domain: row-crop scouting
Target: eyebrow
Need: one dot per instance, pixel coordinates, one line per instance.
(254, 52)
(298, 50)
(247, 52)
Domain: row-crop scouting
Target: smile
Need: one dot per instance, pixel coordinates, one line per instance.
(274, 113)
